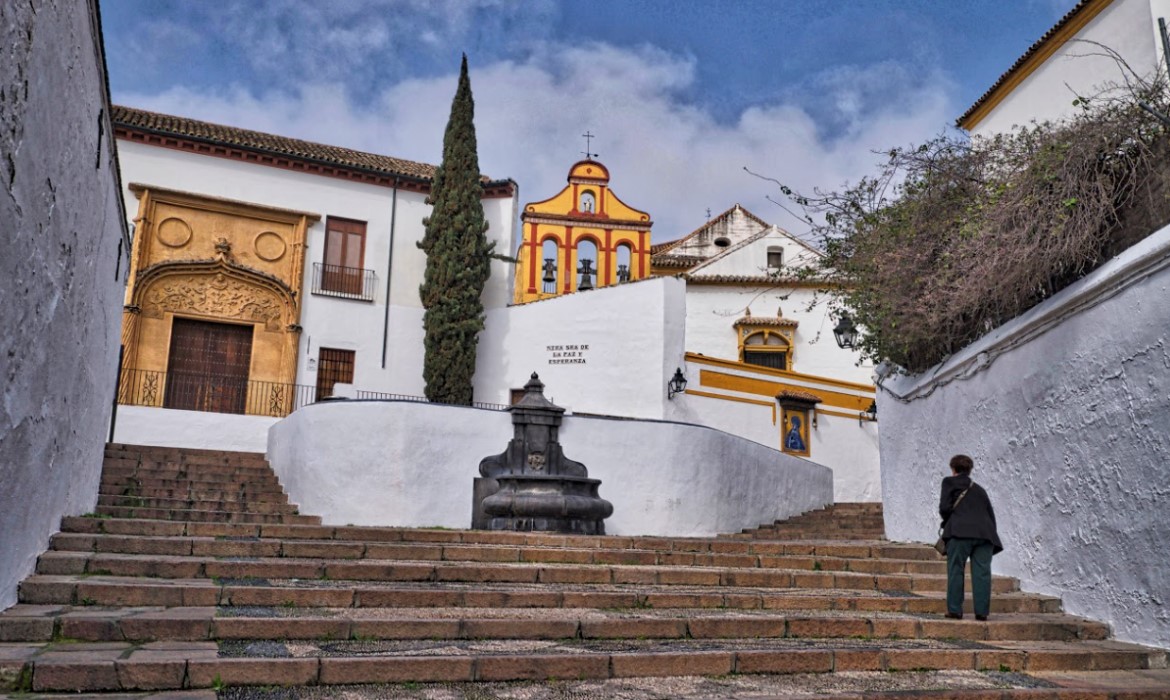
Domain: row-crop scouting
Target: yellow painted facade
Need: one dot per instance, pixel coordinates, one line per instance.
(210, 259)
(585, 211)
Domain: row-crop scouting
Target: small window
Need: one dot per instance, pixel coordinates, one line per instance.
(723, 241)
(766, 349)
(588, 202)
(333, 367)
(775, 258)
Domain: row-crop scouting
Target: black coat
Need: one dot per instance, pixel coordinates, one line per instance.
(974, 518)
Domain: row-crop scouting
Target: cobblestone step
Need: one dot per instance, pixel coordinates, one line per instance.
(44, 623)
(247, 546)
(211, 516)
(116, 666)
(108, 590)
(862, 549)
(137, 501)
(190, 493)
(466, 570)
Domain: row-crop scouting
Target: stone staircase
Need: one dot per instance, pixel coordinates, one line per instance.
(198, 576)
(839, 521)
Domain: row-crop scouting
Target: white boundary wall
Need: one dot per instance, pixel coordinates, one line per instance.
(1066, 411)
(61, 275)
(168, 427)
(412, 465)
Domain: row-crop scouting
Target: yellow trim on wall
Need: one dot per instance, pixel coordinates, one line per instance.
(1037, 59)
(761, 387)
(779, 374)
(739, 399)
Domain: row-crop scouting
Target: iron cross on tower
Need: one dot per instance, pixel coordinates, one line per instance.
(588, 139)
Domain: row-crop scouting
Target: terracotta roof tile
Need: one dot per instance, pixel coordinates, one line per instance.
(747, 279)
(778, 321)
(270, 143)
(675, 260)
(1032, 50)
(794, 395)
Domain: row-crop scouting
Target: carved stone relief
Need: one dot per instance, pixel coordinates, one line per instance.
(174, 232)
(269, 246)
(217, 295)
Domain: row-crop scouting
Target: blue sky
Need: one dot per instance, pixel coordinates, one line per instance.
(682, 94)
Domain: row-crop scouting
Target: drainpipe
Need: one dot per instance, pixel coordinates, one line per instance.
(389, 267)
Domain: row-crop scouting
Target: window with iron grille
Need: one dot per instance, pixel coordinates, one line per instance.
(766, 349)
(333, 366)
(775, 258)
(345, 250)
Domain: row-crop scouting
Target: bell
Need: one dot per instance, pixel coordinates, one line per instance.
(550, 270)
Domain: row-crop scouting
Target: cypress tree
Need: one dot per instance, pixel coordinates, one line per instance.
(458, 258)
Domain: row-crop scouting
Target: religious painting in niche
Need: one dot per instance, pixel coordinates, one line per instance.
(795, 439)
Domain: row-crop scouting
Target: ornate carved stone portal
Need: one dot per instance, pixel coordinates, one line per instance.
(539, 488)
(209, 259)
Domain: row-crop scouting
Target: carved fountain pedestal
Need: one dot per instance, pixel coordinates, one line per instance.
(539, 488)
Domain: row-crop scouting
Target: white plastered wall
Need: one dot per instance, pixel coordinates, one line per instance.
(143, 425)
(1066, 411)
(61, 275)
(711, 309)
(634, 333)
(380, 463)
(1129, 27)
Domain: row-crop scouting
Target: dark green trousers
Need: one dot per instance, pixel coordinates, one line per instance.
(959, 550)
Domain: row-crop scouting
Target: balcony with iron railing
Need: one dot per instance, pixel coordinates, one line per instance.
(344, 282)
(222, 394)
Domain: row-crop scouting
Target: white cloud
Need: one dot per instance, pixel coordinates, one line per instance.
(666, 155)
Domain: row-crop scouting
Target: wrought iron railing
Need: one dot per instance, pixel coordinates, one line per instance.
(222, 394)
(346, 282)
(211, 393)
(422, 399)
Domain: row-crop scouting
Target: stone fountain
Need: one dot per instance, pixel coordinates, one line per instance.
(539, 489)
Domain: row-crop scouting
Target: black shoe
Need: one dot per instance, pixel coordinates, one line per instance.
(955, 616)
(981, 618)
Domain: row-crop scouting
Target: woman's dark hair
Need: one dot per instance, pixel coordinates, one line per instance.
(962, 464)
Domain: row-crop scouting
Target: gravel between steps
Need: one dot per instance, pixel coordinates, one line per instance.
(742, 687)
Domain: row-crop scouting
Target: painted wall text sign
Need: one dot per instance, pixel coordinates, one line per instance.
(566, 354)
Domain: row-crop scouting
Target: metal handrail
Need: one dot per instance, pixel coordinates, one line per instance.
(345, 282)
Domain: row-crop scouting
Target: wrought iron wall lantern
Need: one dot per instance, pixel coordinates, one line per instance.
(869, 414)
(677, 384)
(845, 333)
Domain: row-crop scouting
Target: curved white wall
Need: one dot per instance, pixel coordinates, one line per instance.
(412, 464)
(1066, 411)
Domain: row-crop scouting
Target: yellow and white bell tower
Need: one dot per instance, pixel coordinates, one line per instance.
(581, 238)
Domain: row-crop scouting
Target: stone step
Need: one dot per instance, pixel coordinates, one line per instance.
(162, 566)
(115, 666)
(836, 549)
(121, 450)
(211, 516)
(194, 493)
(120, 483)
(100, 589)
(241, 474)
(235, 506)
(332, 549)
(39, 623)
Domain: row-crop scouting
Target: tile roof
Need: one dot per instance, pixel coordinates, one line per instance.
(794, 395)
(664, 247)
(749, 279)
(778, 321)
(139, 119)
(675, 260)
(1032, 51)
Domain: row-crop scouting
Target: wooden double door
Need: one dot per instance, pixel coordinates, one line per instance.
(208, 366)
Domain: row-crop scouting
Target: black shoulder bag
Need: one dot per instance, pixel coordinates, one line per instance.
(941, 545)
